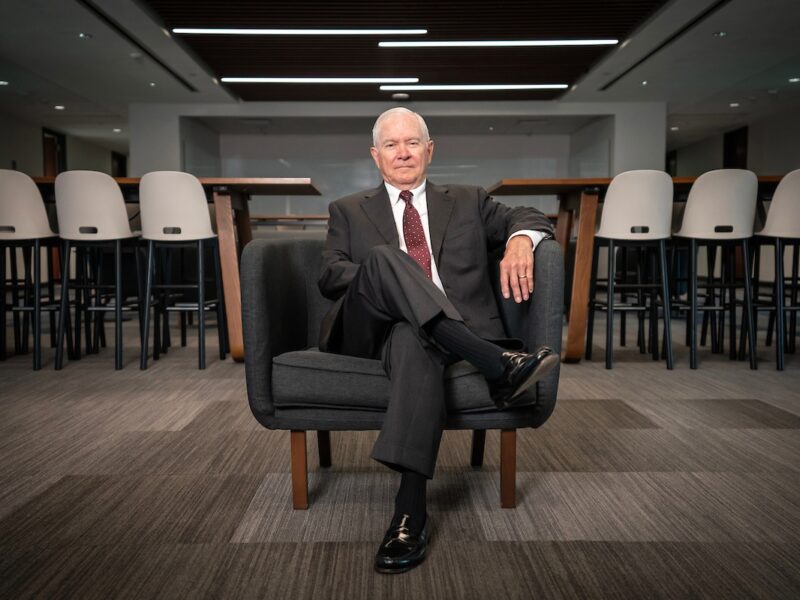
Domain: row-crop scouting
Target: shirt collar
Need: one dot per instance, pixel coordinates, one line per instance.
(394, 193)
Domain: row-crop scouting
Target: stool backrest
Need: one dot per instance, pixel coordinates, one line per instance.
(173, 207)
(22, 212)
(783, 218)
(721, 205)
(637, 206)
(90, 207)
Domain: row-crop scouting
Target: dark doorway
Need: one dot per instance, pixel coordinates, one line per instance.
(734, 149)
(119, 165)
(54, 145)
(672, 163)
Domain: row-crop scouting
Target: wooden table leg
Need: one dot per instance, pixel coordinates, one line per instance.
(579, 302)
(229, 261)
(563, 226)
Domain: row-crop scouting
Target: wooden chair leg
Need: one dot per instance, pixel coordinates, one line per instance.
(299, 470)
(508, 468)
(478, 443)
(324, 445)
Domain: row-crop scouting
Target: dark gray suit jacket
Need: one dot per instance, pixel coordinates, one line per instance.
(466, 225)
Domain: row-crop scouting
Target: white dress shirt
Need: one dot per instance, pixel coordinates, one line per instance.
(420, 202)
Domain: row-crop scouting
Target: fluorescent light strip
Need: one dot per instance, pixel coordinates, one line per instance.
(204, 31)
(429, 88)
(498, 43)
(320, 79)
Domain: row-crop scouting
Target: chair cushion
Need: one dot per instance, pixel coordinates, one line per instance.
(310, 378)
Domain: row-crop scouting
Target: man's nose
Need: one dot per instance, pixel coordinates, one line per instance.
(403, 151)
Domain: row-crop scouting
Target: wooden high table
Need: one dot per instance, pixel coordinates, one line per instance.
(230, 196)
(578, 200)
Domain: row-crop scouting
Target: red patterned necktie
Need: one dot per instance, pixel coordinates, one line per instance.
(414, 235)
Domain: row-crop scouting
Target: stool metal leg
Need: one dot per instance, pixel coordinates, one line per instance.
(2, 303)
(662, 254)
(37, 305)
(592, 300)
(201, 312)
(222, 330)
(692, 303)
(62, 316)
(118, 304)
(780, 298)
(748, 304)
(610, 306)
(146, 300)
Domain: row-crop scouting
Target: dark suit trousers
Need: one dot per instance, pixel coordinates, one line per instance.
(385, 309)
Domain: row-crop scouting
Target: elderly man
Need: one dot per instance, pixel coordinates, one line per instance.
(407, 266)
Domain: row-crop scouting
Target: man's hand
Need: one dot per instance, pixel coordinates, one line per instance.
(516, 269)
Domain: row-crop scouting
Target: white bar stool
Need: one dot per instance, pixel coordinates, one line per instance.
(637, 211)
(720, 211)
(783, 228)
(24, 224)
(174, 212)
(91, 213)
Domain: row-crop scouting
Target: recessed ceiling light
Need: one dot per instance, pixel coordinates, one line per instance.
(794, 79)
(644, 82)
(320, 79)
(3, 83)
(465, 87)
(674, 128)
(116, 130)
(734, 105)
(59, 107)
(400, 96)
(85, 36)
(214, 31)
(152, 84)
(720, 34)
(496, 43)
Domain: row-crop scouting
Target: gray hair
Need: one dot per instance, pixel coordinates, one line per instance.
(394, 111)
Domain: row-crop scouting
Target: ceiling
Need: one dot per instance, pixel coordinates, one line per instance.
(349, 56)
(131, 57)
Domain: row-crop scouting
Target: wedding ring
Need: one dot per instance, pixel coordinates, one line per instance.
(522, 276)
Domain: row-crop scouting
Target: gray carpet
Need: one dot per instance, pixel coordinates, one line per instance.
(644, 484)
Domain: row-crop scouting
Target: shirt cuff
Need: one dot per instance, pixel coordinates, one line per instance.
(535, 236)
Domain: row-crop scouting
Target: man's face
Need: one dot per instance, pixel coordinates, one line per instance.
(402, 156)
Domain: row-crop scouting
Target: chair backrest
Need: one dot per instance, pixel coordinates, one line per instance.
(90, 207)
(721, 206)
(173, 207)
(22, 212)
(637, 206)
(783, 218)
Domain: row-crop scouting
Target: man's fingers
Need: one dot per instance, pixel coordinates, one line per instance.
(504, 288)
(529, 273)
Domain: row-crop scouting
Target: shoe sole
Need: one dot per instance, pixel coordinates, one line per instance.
(398, 570)
(548, 364)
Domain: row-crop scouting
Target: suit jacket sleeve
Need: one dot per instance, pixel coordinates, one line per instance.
(500, 221)
(338, 269)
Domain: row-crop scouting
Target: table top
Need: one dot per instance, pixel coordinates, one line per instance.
(280, 186)
(545, 187)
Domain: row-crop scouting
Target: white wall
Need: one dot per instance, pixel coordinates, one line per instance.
(639, 139)
(773, 144)
(590, 149)
(199, 149)
(340, 164)
(21, 141)
(87, 156)
(697, 158)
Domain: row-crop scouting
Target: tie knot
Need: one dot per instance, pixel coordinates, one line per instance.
(406, 196)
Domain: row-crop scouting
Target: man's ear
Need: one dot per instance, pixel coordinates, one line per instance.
(374, 152)
(430, 151)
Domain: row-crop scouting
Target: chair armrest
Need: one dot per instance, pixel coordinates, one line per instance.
(274, 313)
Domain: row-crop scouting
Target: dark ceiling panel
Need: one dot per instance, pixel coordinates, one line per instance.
(339, 56)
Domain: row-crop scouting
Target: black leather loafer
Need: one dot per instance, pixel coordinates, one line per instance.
(400, 549)
(522, 370)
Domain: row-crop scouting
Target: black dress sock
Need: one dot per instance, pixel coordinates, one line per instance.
(410, 500)
(455, 337)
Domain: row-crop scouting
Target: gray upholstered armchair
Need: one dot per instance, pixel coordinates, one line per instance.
(291, 385)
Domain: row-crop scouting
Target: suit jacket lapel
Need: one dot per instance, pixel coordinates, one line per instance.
(379, 211)
(440, 207)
